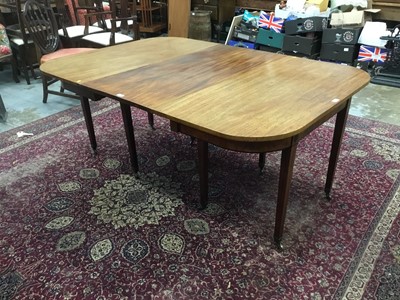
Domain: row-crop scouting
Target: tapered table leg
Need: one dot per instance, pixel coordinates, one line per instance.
(261, 161)
(285, 178)
(202, 148)
(130, 135)
(150, 119)
(340, 125)
(89, 122)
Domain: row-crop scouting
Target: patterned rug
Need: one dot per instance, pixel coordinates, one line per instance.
(74, 225)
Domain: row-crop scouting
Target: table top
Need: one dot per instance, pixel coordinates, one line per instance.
(233, 93)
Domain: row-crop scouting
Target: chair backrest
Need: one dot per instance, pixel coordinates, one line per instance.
(123, 21)
(147, 13)
(81, 7)
(41, 23)
(63, 17)
(126, 13)
(15, 8)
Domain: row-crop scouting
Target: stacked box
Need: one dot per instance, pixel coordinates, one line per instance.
(270, 32)
(340, 44)
(303, 36)
(270, 38)
(245, 34)
(347, 36)
(302, 45)
(306, 25)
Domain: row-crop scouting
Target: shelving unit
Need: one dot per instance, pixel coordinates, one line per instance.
(152, 15)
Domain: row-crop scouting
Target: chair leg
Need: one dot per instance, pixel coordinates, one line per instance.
(22, 55)
(45, 88)
(14, 69)
(28, 61)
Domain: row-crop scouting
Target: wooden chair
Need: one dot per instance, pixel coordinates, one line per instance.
(124, 25)
(20, 42)
(81, 7)
(41, 23)
(69, 32)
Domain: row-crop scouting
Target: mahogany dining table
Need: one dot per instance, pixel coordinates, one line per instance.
(238, 99)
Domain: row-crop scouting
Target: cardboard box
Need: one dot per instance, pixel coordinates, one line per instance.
(301, 44)
(341, 35)
(355, 18)
(241, 44)
(321, 4)
(270, 38)
(339, 52)
(282, 13)
(305, 25)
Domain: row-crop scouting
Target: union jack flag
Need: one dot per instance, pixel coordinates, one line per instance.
(371, 53)
(268, 20)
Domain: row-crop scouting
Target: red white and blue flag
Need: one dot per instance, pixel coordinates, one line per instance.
(268, 20)
(371, 53)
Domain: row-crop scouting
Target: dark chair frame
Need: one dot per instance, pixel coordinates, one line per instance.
(123, 13)
(41, 23)
(65, 23)
(88, 6)
(18, 31)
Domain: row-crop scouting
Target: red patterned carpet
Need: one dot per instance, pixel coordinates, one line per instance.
(78, 226)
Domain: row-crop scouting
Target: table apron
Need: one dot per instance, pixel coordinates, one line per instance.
(257, 146)
(254, 146)
(240, 146)
(83, 91)
(234, 145)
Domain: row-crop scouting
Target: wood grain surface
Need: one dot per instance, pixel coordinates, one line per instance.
(233, 93)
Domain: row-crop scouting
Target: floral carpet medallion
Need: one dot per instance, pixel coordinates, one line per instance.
(74, 225)
(131, 201)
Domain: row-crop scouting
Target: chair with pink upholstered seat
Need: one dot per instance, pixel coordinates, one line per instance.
(41, 23)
